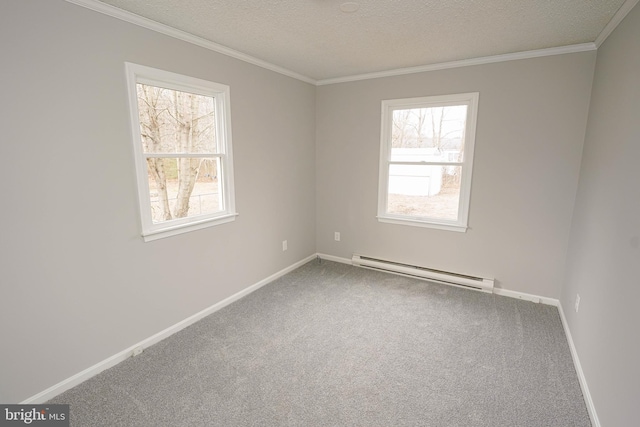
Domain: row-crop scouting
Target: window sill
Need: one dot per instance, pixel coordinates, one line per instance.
(186, 228)
(422, 223)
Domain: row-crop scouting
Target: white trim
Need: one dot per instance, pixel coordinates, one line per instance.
(412, 221)
(526, 297)
(448, 278)
(94, 370)
(471, 101)
(132, 18)
(536, 299)
(615, 21)
(223, 149)
(583, 47)
(335, 259)
(591, 409)
(498, 291)
(595, 422)
(152, 235)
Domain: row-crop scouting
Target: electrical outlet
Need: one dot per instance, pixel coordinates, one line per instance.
(284, 245)
(577, 305)
(336, 236)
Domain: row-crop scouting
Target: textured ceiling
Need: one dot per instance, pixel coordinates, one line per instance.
(315, 38)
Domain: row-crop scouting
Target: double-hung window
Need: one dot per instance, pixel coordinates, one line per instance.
(181, 129)
(426, 158)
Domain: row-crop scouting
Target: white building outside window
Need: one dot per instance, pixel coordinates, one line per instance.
(426, 160)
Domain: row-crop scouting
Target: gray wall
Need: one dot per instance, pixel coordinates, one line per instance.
(531, 121)
(604, 257)
(78, 283)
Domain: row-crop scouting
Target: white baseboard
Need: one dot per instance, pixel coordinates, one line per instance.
(94, 370)
(497, 291)
(525, 296)
(595, 422)
(80, 377)
(335, 259)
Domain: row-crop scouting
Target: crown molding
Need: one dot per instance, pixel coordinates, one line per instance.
(615, 21)
(583, 47)
(132, 18)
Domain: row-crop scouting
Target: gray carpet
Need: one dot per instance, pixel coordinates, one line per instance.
(335, 345)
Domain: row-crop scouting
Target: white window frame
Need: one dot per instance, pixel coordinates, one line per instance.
(221, 94)
(388, 107)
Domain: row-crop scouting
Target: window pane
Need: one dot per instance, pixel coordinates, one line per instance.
(175, 122)
(433, 134)
(424, 191)
(191, 187)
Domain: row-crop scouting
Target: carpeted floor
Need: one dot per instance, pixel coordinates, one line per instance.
(335, 345)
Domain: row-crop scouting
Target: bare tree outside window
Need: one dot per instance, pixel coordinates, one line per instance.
(177, 129)
(423, 164)
(181, 134)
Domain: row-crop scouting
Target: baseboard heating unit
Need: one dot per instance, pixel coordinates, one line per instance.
(446, 277)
